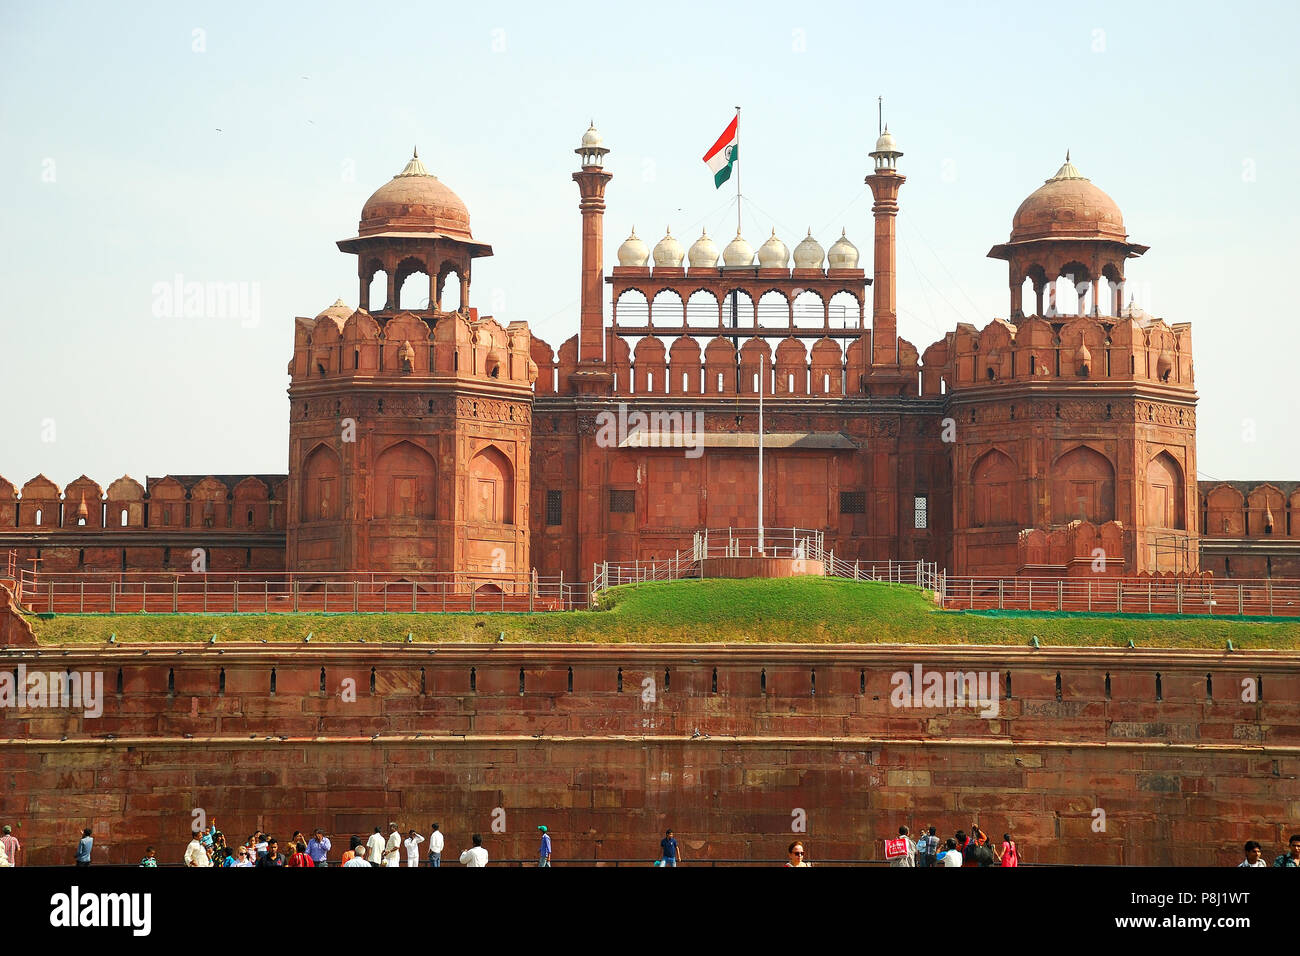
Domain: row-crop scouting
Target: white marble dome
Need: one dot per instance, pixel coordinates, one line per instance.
(633, 252)
(738, 252)
(773, 254)
(703, 253)
(809, 254)
(843, 254)
(668, 253)
(592, 137)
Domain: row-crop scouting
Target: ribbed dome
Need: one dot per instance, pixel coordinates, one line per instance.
(339, 312)
(668, 252)
(1068, 205)
(809, 254)
(633, 252)
(703, 253)
(843, 254)
(773, 254)
(592, 137)
(415, 201)
(886, 144)
(738, 252)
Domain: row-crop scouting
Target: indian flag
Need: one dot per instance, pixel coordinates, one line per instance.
(724, 153)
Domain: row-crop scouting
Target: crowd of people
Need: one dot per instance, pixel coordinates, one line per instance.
(210, 847)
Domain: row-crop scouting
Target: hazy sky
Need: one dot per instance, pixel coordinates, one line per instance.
(235, 142)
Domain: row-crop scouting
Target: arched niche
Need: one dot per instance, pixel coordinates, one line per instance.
(491, 487)
(1083, 487)
(322, 485)
(992, 484)
(1166, 505)
(404, 482)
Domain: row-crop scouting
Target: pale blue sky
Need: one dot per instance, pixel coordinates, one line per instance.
(117, 178)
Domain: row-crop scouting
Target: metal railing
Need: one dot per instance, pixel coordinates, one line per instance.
(265, 593)
(1264, 597)
(791, 543)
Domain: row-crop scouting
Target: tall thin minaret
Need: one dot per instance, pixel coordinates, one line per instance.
(591, 180)
(885, 183)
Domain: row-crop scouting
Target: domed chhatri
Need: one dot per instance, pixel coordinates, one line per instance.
(809, 254)
(843, 254)
(1068, 206)
(415, 201)
(703, 253)
(339, 312)
(633, 253)
(773, 254)
(668, 252)
(592, 137)
(738, 253)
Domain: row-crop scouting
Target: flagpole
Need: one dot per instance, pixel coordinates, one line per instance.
(738, 173)
(762, 380)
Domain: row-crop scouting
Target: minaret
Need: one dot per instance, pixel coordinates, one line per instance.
(885, 183)
(591, 180)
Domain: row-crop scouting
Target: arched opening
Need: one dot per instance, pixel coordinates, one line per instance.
(737, 310)
(993, 482)
(631, 308)
(404, 482)
(1083, 487)
(124, 517)
(39, 516)
(809, 311)
(667, 309)
(491, 487)
(451, 296)
(1165, 493)
(845, 311)
(412, 285)
(773, 310)
(377, 292)
(321, 485)
(702, 310)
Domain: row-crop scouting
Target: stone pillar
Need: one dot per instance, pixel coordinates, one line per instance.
(883, 345)
(591, 182)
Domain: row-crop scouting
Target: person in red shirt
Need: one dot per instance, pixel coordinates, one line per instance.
(300, 857)
(1008, 855)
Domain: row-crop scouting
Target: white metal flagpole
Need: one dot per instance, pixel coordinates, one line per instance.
(762, 380)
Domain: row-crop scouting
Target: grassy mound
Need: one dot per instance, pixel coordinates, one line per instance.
(789, 610)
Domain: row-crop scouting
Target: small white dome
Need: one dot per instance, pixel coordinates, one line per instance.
(633, 252)
(738, 252)
(703, 253)
(668, 252)
(773, 254)
(843, 254)
(592, 137)
(886, 144)
(809, 254)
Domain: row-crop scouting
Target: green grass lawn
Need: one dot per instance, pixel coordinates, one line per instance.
(788, 610)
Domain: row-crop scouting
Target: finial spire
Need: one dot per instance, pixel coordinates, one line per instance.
(415, 153)
(1067, 154)
(880, 115)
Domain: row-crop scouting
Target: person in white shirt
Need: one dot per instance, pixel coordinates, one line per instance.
(375, 848)
(358, 859)
(1254, 855)
(908, 858)
(951, 856)
(435, 847)
(196, 854)
(393, 849)
(412, 844)
(475, 855)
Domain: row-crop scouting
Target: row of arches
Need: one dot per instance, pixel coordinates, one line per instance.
(245, 503)
(388, 290)
(404, 485)
(737, 308)
(1081, 486)
(1242, 510)
(1069, 289)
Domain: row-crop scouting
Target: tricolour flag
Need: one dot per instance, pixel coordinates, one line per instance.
(724, 153)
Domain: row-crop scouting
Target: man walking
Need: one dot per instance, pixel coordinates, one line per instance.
(87, 843)
(11, 845)
(475, 856)
(544, 852)
(435, 846)
(318, 848)
(375, 848)
(669, 852)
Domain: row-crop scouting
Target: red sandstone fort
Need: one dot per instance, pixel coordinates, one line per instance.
(436, 440)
